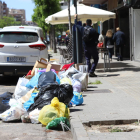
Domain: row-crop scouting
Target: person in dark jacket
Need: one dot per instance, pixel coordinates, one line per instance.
(109, 43)
(119, 38)
(67, 40)
(90, 47)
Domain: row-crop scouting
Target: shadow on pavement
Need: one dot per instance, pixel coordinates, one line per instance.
(73, 110)
(98, 91)
(92, 87)
(9, 80)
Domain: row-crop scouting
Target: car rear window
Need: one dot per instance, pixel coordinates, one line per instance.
(18, 37)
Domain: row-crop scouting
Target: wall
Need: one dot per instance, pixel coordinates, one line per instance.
(124, 25)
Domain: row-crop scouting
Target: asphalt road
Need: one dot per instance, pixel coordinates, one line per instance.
(25, 131)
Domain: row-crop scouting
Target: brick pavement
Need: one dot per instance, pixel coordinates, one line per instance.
(122, 103)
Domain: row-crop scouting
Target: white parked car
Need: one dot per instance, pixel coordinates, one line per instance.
(20, 47)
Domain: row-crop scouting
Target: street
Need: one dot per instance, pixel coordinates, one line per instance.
(25, 131)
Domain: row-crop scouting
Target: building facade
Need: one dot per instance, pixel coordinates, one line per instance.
(18, 14)
(1, 9)
(4, 10)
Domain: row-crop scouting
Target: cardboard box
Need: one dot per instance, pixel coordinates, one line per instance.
(56, 67)
(44, 61)
(38, 65)
(48, 67)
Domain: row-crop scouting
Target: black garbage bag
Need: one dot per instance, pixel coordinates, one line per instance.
(4, 101)
(63, 92)
(46, 78)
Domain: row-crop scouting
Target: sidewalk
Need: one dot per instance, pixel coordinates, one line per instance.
(117, 98)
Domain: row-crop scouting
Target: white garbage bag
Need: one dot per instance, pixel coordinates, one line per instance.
(14, 113)
(83, 78)
(20, 89)
(33, 115)
(69, 72)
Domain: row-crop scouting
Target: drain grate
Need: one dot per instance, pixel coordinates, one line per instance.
(98, 91)
(113, 126)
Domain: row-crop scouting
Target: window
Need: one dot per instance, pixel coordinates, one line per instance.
(18, 37)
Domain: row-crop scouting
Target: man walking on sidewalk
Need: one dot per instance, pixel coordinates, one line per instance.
(119, 38)
(90, 39)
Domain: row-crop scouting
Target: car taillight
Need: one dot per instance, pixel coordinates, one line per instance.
(38, 46)
(1, 46)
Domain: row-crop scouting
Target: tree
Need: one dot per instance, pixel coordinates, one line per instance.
(8, 21)
(43, 9)
(70, 27)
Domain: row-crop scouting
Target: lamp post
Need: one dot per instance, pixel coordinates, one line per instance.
(77, 42)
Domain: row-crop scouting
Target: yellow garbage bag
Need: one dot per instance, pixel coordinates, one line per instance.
(49, 112)
(65, 81)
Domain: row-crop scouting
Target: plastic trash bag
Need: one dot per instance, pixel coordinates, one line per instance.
(15, 112)
(57, 79)
(27, 96)
(63, 92)
(46, 78)
(65, 81)
(21, 88)
(49, 112)
(61, 123)
(77, 86)
(83, 78)
(34, 81)
(27, 104)
(3, 107)
(4, 101)
(60, 73)
(25, 118)
(70, 72)
(67, 66)
(33, 115)
(6, 97)
(77, 99)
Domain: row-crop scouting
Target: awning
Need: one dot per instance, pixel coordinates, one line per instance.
(84, 13)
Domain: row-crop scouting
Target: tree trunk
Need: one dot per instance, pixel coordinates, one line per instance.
(51, 39)
(54, 41)
(70, 27)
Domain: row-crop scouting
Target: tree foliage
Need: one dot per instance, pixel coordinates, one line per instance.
(8, 21)
(43, 9)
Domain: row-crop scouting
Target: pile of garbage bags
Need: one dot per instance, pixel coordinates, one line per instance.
(45, 98)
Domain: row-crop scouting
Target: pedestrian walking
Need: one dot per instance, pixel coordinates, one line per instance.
(109, 43)
(101, 40)
(89, 39)
(67, 40)
(119, 38)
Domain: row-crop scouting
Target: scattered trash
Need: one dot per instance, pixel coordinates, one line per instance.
(44, 94)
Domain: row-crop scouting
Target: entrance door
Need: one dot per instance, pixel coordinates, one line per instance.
(136, 42)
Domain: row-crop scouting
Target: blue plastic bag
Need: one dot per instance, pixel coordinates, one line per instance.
(34, 81)
(27, 104)
(57, 79)
(77, 99)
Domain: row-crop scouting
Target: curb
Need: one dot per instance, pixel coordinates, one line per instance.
(78, 131)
